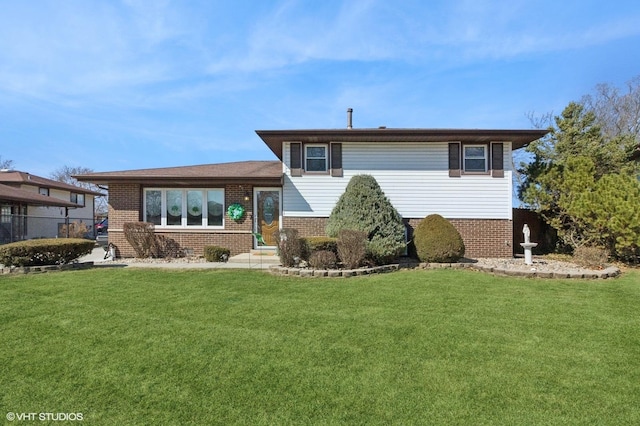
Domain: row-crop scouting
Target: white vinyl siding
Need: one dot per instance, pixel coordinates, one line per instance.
(414, 176)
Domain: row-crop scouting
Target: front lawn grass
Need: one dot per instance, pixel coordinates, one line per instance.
(127, 346)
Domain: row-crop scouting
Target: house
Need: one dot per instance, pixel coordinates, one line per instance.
(464, 175)
(35, 207)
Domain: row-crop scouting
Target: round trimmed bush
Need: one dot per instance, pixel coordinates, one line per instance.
(437, 240)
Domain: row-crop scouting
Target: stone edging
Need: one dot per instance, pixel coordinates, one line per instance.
(306, 272)
(45, 268)
(609, 272)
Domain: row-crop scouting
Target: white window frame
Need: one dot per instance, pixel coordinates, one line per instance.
(485, 157)
(184, 219)
(325, 158)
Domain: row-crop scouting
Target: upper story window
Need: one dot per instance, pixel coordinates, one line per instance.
(77, 198)
(184, 207)
(43, 191)
(315, 158)
(475, 158)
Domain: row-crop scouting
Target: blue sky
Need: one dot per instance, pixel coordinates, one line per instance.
(118, 85)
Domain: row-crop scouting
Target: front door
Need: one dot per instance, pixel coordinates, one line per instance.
(267, 219)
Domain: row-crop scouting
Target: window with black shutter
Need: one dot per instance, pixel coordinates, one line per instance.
(497, 160)
(296, 158)
(454, 159)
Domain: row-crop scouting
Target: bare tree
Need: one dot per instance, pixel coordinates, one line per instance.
(65, 174)
(6, 164)
(617, 110)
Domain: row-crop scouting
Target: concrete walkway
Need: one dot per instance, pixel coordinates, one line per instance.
(241, 261)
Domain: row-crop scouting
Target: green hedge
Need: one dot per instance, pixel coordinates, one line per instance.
(48, 251)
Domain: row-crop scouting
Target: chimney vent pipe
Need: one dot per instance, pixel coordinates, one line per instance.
(350, 118)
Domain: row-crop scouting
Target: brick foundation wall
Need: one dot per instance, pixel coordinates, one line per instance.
(482, 237)
(306, 226)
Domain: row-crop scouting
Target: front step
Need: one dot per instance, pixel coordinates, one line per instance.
(264, 252)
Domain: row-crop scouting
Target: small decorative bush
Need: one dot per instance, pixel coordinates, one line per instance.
(166, 247)
(290, 247)
(322, 259)
(437, 240)
(47, 251)
(590, 257)
(142, 237)
(352, 247)
(74, 230)
(216, 253)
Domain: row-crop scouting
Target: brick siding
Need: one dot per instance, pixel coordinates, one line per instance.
(482, 237)
(125, 205)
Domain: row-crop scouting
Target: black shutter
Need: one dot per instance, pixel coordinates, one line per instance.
(454, 159)
(336, 159)
(497, 160)
(296, 158)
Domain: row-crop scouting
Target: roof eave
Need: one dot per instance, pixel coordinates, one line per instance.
(183, 180)
(519, 138)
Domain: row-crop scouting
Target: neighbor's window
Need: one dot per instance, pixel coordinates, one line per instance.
(184, 207)
(77, 198)
(475, 158)
(315, 158)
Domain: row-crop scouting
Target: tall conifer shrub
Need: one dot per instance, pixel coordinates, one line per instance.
(364, 207)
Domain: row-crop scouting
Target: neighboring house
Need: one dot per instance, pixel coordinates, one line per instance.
(463, 175)
(36, 207)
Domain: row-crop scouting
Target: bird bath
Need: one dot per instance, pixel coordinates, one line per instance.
(527, 245)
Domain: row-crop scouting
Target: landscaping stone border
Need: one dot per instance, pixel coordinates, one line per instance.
(609, 272)
(332, 273)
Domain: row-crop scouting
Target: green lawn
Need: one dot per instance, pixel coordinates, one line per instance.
(126, 346)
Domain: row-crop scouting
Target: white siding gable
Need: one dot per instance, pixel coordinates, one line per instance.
(414, 176)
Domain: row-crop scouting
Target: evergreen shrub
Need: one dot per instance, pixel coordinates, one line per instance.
(364, 207)
(437, 240)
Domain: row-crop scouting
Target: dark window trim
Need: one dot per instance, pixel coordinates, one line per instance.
(297, 159)
(494, 160)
